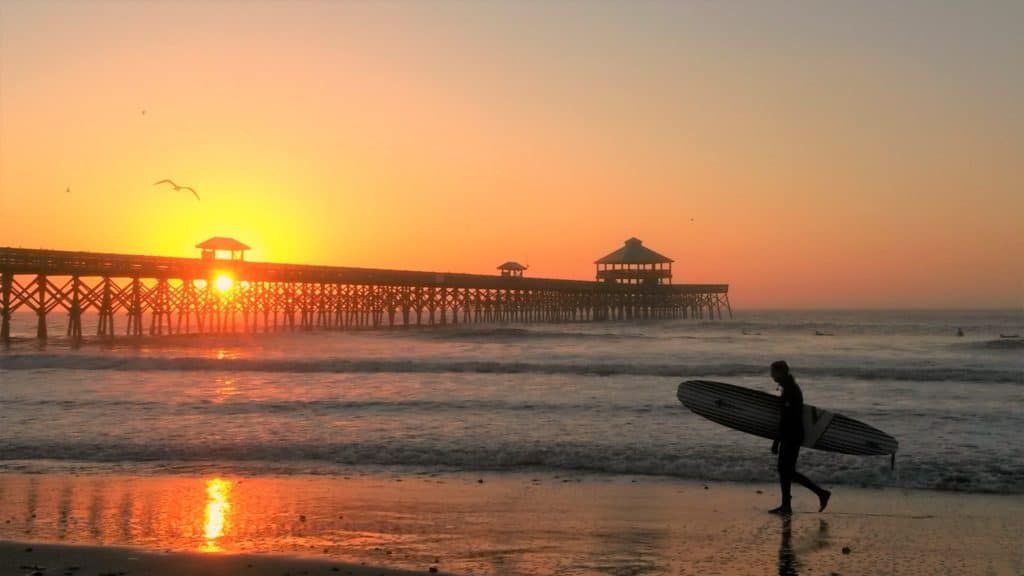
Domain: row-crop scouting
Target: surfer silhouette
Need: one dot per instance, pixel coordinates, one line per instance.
(790, 436)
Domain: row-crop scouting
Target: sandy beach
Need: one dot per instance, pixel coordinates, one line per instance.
(42, 559)
(464, 523)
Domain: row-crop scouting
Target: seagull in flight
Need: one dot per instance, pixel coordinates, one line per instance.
(176, 187)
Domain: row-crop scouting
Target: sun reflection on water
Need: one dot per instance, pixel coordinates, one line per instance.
(225, 390)
(218, 492)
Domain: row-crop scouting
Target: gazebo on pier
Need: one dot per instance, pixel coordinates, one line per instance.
(634, 263)
(222, 244)
(512, 270)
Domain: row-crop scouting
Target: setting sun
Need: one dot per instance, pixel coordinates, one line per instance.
(224, 283)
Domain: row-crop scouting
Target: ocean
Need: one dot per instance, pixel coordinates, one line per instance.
(594, 398)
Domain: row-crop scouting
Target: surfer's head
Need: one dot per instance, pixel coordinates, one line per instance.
(780, 372)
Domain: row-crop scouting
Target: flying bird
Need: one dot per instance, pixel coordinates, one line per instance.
(176, 187)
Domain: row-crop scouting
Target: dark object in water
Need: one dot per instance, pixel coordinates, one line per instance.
(820, 333)
(959, 331)
(1009, 335)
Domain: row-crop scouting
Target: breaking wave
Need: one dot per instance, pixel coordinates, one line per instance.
(427, 366)
(739, 464)
(1014, 343)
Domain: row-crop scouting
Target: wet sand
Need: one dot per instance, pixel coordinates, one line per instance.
(45, 559)
(505, 524)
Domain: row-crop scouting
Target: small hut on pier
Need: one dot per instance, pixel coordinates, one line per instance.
(634, 263)
(512, 270)
(211, 247)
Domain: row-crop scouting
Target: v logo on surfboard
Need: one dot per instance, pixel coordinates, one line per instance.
(816, 421)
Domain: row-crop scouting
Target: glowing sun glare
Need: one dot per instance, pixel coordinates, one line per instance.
(217, 506)
(224, 283)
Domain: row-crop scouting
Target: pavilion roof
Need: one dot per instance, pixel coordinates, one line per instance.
(222, 243)
(634, 252)
(510, 265)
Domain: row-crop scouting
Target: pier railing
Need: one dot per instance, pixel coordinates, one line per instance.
(189, 295)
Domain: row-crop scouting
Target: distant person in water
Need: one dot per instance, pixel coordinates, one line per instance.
(790, 436)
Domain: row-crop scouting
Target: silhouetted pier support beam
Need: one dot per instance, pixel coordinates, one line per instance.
(75, 310)
(41, 306)
(106, 319)
(135, 308)
(5, 306)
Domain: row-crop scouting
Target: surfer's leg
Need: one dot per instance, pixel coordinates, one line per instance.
(787, 467)
(808, 483)
(822, 494)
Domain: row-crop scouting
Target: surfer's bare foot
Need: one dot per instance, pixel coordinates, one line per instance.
(781, 511)
(823, 500)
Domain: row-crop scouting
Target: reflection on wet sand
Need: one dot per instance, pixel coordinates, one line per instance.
(374, 520)
(95, 521)
(628, 550)
(788, 564)
(217, 507)
(65, 510)
(194, 514)
(469, 523)
(177, 513)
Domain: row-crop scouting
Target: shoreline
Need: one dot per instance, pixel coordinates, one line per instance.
(491, 523)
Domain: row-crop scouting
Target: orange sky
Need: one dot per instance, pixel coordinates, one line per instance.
(829, 156)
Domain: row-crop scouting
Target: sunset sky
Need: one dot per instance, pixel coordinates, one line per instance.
(863, 154)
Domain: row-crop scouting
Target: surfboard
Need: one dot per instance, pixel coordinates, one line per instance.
(758, 413)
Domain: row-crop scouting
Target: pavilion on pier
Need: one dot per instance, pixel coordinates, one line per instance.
(635, 263)
(212, 246)
(512, 269)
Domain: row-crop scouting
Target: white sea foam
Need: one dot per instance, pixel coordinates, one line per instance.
(200, 364)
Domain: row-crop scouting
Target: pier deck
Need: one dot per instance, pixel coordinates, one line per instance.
(182, 296)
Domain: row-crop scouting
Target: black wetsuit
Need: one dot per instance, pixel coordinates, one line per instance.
(791, 435)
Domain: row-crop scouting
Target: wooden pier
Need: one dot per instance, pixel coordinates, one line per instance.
(162, 295)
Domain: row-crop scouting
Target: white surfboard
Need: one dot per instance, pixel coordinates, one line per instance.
(758, 413)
